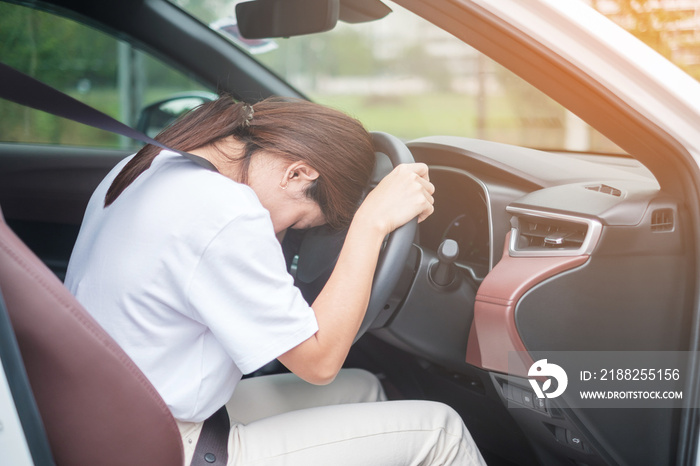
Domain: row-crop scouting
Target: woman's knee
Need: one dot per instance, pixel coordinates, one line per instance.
(455, 444)
(452, 419)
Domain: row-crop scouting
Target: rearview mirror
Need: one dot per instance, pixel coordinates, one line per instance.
(262, 19)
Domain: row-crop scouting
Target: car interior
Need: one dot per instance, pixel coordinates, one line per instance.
(529, 252)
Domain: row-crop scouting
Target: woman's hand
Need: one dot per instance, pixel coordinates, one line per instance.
(403, 194)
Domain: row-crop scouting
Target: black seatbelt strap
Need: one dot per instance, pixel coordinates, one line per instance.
(210, 450)
(212, 446)
(22, 89)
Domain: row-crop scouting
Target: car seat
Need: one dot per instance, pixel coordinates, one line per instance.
(97, 407)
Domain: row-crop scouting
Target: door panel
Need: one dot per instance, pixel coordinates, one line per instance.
(44, 191)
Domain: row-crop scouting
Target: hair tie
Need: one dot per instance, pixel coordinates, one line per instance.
(248, 112)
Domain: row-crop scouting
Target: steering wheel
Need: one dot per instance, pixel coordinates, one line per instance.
(319, 248)
(398, 244)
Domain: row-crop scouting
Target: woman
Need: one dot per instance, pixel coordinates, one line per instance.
(183, 267)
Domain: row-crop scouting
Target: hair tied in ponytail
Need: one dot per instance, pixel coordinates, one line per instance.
(248, 112)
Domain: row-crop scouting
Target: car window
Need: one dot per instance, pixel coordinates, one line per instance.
(87, 64)
(404, 75)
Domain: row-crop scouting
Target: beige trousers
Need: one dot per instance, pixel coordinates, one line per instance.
(282, 420)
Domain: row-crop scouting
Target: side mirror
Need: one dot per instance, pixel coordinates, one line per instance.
(262, 19)
(157, 116)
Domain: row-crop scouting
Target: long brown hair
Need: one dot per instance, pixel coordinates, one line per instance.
(331, 142)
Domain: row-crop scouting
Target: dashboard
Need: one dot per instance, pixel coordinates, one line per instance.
(558, 253)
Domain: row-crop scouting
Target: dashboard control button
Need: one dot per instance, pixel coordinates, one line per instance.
(506, 391)
(574, 440)
(518, 395)
(541, 405)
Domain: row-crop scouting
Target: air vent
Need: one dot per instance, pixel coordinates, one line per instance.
(605, 189)
(538, 233)
(662, 220)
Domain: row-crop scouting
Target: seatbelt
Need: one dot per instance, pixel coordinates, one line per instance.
(22, 89)
(15, 86)
(212, 446)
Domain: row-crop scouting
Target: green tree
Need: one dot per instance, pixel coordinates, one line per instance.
(56, 51)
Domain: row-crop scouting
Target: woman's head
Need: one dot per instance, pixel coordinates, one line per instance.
(331, 143)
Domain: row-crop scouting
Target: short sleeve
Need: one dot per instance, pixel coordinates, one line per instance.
(241, 291)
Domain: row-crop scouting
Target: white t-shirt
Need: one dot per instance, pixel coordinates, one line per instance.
(184, 271)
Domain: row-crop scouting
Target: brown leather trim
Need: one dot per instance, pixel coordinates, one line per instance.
(493, 333)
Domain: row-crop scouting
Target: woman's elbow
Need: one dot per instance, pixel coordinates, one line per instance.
(321, 373)
(314, 367)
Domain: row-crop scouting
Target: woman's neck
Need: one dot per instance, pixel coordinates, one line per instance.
(224, 155)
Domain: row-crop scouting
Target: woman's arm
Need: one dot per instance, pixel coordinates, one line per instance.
(340, 307)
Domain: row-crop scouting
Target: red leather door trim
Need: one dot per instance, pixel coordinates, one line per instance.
(493, 333)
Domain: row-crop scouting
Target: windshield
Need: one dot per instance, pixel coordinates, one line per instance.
(404, 75)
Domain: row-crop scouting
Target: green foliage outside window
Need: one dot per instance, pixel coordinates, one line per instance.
(86, 64)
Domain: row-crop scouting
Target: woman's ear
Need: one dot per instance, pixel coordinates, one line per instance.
(299, 171)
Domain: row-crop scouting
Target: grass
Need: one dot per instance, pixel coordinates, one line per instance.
(450, 114)
(416, 116)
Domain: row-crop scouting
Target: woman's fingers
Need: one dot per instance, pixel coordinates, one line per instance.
(427, 211)
(420, 169)
(402, 195)
(427, 208)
